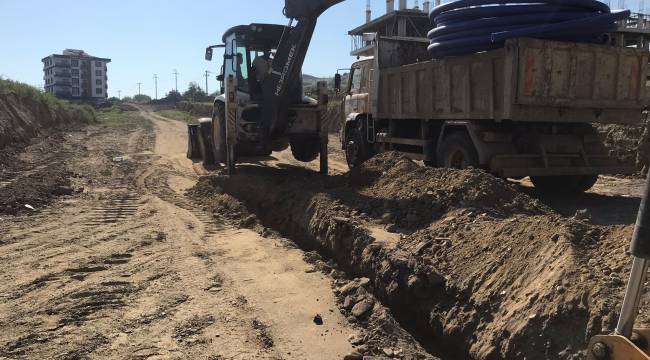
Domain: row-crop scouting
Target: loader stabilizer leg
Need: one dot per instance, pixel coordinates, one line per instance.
(231, 160)
(324, 157)
(615, 347)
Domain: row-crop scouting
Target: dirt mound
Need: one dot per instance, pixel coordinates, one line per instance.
(474, 268)
(35, 189)
(630, 144)
(397, 179)
(23, 116)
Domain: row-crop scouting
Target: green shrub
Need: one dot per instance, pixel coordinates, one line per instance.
(61, 110)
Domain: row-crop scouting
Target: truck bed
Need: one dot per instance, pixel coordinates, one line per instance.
(528, 80)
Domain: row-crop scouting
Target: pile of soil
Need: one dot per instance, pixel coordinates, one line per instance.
(630, 144)
(22, 117)
(36, 190)
(472, 267)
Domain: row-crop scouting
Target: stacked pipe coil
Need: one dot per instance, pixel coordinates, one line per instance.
(467, 26)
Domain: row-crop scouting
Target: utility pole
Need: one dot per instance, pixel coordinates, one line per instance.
(139, 84)
(207, 74)
(155, 79)
(176, 77)
(119, 94)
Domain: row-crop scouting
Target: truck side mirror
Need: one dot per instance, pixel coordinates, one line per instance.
(337, 82)
(208, 54)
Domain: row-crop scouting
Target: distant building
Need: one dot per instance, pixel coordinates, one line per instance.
(402, 23)
(76, 75)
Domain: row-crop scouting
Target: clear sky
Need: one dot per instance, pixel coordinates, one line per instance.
(147, 37)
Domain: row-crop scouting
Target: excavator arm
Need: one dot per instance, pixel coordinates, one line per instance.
(288, 61)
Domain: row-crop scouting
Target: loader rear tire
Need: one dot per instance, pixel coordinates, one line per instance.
(219, 133)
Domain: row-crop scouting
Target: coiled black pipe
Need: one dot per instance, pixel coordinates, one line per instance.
(467, 26)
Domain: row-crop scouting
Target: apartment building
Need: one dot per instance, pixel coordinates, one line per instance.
(76, 75)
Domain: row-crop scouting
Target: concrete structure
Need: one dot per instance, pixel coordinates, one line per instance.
(403, 23)
(76, 75)
(633, 32)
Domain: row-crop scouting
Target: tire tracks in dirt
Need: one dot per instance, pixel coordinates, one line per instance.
(131, 268)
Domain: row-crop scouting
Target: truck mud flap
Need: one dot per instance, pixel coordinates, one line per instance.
(193, 151)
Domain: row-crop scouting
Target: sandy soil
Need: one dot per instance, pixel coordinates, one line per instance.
(132, 252)
(127, 267)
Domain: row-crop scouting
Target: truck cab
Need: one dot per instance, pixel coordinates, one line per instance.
(358, 89)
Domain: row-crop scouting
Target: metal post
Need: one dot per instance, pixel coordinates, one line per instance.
(640, 249)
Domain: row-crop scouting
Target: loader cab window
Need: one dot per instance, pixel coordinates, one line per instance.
(243, 67)
(237, 63)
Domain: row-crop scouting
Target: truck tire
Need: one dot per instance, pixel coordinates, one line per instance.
(219, 133)
(357, 149)
(205, 143)
(457, 151)
(564, 185)
(305, 148)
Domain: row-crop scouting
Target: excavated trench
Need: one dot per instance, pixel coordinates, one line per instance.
(471, 267)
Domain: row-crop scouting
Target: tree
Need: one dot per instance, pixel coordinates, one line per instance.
(142, 98)
(194, 93)
(172, 97)
(127, 99)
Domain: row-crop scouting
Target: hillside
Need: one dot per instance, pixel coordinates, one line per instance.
(25, 111)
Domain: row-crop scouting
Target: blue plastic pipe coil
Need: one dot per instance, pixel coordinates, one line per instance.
(467, 26)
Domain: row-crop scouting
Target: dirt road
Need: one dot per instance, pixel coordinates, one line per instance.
(123, 257)
(130, 268)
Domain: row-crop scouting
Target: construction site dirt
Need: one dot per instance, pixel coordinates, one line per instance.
(114, 245)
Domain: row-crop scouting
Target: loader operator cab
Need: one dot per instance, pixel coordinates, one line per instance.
(248, 55)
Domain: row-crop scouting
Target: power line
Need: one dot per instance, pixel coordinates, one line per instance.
(119, 94)
(176, 78)
(139, 84)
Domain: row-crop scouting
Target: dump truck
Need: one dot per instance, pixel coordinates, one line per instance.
(262, 107)
(530, 108)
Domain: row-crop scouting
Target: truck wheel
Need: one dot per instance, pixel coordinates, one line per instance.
(205, 143)
(568, 184)
(357, 149)
(305, 148)
(586, 182)
(457, 151)
(219, 133)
